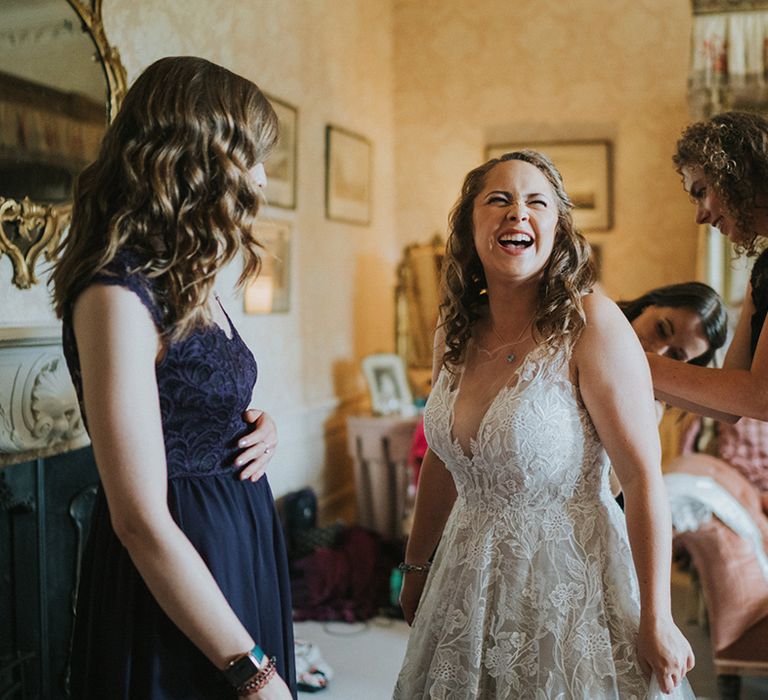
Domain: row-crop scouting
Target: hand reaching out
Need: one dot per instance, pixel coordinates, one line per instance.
(258, 446)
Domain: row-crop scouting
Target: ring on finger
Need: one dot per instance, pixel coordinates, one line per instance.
(267, 450)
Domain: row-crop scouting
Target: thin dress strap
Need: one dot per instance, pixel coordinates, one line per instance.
(232, 329)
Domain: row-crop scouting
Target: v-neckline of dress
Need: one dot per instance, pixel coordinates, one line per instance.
(504, 390)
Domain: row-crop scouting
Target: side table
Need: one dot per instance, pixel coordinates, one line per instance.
(379, 447)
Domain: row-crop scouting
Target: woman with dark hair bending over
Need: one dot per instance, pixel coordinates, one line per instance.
(532, 592)
(724, 166)
(685, 321)
(184, 590)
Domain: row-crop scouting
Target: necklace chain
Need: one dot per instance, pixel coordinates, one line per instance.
(519, 338)
(511, 357)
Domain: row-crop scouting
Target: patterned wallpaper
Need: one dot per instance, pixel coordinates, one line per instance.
(429, 83)
(333, 61)
(468, 74)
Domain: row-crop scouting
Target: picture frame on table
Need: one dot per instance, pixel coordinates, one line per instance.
(282, 162)
(587, 170)
(269, 292)
(388, 384)
(348, 176)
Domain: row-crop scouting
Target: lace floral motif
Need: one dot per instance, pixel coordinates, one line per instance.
(532, 594)
(205, 383)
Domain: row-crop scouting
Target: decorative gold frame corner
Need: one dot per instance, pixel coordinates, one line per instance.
(40, 225)
(117, 80)
(416, 301)
(36, 228)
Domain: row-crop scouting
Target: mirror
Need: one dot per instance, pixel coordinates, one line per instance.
(60, 83)
(417, 297)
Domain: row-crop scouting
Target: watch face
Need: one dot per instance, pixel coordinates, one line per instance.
(245, 667)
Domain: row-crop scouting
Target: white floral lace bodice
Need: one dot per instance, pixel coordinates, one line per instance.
(534, 444)
(532, 594)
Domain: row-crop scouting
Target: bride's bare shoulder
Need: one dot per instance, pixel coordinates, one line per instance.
(605, 323)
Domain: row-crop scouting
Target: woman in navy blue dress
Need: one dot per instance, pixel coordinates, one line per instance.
(184, 590)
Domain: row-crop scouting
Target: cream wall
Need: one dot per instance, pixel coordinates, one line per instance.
(468, 74)
(429, 82)
(333, 60)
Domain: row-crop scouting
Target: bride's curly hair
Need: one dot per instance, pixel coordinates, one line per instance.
(172, 185)
(732, 150)
(567, 276)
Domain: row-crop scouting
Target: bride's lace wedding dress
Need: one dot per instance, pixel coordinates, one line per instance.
(532, 593)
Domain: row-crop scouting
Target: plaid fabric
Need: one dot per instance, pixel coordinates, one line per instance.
(744, 445)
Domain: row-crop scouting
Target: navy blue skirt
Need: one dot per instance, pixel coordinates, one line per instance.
(125, 646)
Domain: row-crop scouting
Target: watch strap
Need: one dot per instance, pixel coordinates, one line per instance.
(244, 667)
(258, 653)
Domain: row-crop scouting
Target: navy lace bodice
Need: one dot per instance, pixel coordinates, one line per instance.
(205, 383)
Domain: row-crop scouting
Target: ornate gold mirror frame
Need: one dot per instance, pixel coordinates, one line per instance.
(29, 229)
(417, 298)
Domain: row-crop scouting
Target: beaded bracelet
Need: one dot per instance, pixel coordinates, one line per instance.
(421, 568)
(259, 679)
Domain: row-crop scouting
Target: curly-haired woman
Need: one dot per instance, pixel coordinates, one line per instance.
(184, 580)
(537, 383)
(724, 166)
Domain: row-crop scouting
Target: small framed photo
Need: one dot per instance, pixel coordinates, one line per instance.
(586, 167)
(388, 384)
(270, 291)
(348, 171)
(281, 164)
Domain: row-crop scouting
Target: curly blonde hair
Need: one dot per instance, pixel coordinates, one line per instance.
(567, 276)
(172, 184)
(732, 150)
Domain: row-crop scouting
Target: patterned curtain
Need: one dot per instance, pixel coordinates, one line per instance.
(729, 62)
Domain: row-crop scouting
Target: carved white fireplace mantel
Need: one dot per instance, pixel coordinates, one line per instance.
(39, 416)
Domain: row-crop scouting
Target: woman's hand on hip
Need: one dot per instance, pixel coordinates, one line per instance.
(258, 446)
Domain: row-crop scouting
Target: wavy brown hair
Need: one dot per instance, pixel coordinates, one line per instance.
(567, 276)
(732, 150)
(172, 185)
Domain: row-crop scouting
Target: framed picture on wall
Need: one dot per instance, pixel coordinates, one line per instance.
(348, 169)
(281, 164)
(586, 167)
(270, 291)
